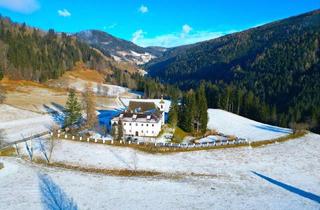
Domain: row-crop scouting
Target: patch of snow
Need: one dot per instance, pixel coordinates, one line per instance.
(98, 88)
(212, 139)
(230, 181)
(17, 123)
(135, 57)
(232, 124)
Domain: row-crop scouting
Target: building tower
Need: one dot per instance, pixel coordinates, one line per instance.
(162, 105)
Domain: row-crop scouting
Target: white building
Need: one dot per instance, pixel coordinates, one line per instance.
(142, 119)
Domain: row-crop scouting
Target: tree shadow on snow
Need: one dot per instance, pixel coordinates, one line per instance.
(290, 188)
(52, 196)
(273, 129)
(57, 116)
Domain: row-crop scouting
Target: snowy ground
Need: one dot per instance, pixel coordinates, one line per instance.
(279, 176)
(17, 123)
(98, 88)
(232, 124)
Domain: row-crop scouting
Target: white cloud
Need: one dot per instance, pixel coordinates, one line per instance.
(186, 28)
(176, 39)
(64, 13)
(143, 9)
(138, 35)
(111, 26)
(21, 6)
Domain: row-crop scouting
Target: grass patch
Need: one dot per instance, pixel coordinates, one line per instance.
(295, 135)
(120, 172)
(9, 151)
(179, 135)
(111, 172)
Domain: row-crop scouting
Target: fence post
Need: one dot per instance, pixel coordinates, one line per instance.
(72, 137)
(80, 138)
(66, 136)
(111, 141)
(88, 139)
(58, 135)
(95, 140)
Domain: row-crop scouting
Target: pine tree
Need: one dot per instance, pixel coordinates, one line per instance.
(89, 105)
(188, 112)
(73, 109)
(1, 73)
(173, 114)
(202, 108)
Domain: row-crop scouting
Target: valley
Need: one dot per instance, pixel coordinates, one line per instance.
(89, 120)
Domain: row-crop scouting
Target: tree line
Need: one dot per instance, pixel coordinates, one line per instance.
(31, 54)
(190, 114)
(269, 73)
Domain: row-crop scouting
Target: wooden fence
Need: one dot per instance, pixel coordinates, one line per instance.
(63, 135)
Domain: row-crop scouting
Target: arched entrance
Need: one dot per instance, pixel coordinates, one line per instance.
(137, 133)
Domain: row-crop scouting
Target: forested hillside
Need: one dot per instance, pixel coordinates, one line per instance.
(31, 54)
(120, 49)
(270, 73)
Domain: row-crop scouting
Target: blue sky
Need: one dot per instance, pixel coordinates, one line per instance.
(154, 22)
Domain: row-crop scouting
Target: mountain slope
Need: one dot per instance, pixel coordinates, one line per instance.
(31, 54)
(279, 62)
(119, 49)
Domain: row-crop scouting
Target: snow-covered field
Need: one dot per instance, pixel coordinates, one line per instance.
(98, 88)
(278, 176)
(232, 124)
(17, 123)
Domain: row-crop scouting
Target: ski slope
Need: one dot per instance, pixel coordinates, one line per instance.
(232, 124)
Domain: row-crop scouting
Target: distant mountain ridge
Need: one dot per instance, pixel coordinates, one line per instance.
(278, 62)
(119, 49)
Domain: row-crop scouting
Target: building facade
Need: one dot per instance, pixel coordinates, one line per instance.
(141, 119)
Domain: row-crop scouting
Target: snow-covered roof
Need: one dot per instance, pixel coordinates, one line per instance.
(167, 103)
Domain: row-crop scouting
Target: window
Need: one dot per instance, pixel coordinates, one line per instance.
(136, 124)
(124, 123)
(152, 125)
(141, 124)
(142, 131)
(146, 131)
(152, 131)
(147, 124)
(129, 123)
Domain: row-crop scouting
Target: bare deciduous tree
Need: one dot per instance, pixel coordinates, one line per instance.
(2, 94)
(1, 138)
(90, 107)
